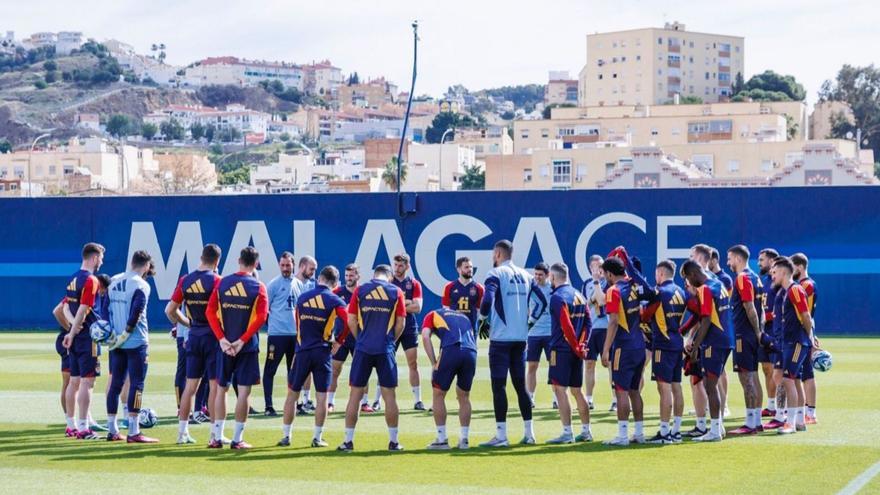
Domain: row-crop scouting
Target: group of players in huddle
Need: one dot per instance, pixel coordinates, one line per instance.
(316, 322)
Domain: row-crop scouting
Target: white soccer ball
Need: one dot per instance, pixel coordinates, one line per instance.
(147, 418)
(100, 331)
(822, 360)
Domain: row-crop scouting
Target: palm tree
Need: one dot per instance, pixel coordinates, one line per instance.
(389, 175)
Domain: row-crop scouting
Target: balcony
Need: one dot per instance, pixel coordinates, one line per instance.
(709, 137)
(673, 80)
(724, 68)
(724, 53)
(674, 48)
(673, 63)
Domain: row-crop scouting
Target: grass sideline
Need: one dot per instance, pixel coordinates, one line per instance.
(36, 458)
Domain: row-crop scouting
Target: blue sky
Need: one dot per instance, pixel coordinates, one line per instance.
(477, 43)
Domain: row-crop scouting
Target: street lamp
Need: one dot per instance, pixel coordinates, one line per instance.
(31, 152)
(443, 138)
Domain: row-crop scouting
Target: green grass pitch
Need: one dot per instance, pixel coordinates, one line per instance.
(36, 458)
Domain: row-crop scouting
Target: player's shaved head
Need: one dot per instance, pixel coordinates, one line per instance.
(740, 250)
(352, 267)
(800, 259)
(211, 254)
(329, 276)
(503, 249)
(703, 251)
(307, 260)
(784, 263)
(249, 257)
(769, 253)
(383, 271)
(559, 271)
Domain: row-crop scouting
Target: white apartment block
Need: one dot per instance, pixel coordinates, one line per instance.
(63, 41)
(651, 65)
(234, 116)
(242, 72)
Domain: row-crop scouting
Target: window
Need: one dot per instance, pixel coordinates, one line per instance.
(623, 59)
(545, 171)
(3, 172)
(659, 41)
(38, 171)
(68, 169)
(565, 131)
(766, 165)
(561, 172)
(690, 60)
(724, 76)
(691, 44)
(527, 175)
(52, 170)
(524, 134)
(600, 76)
(733, 166)
(609, 168)
(655, 131)
(545, 133)
(638, 87)
(638, 57)
(614, 76)
(613, 60)
(707, 76)
(676, 131)
(18, 171)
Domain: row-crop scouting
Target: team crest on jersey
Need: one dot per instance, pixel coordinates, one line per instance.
(408, 285)
(473, 291)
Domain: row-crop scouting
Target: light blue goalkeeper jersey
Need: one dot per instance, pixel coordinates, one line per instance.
(506, 302)
(129, 294)
(541, 328)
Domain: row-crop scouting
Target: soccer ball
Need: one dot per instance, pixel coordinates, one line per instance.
(822, 360)
(100, 331)
(147, 418)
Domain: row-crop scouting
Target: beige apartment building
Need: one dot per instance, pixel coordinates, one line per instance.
(725, 163)
(660, 125)
(492, 140)
(560, 89)
(651, 65)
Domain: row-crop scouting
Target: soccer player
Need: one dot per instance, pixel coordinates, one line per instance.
(316, 313)
(747, 318)
(624, 348)
(505, 320)
(710, 342)
(594, 289)
(412, 294)
(283, 293)
(464, 294)
(664, 311)
(83, 351)
(699, 253)
(180, 334)
(352, 277)
(570, 328)
(129, 293)
(191, 296)
(305, 278)
(539, 334)
(238, 307)
(714, 266)
(376, 308)
(801, 275)
(457, 360)
(797, 342)
(777, 331)
(765, 260)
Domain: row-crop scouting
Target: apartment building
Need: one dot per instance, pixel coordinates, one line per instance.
(243, 72)
(491, 140)
(651, 65)
(322, 78)
(63, 41)
(432, 167)
(561, 89)
(372, 94)
(660, 125)
(233, 116)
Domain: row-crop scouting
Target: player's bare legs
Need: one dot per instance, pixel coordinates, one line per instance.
(794, 404)
(334, 380)
(84, 398)
(464, 415)
(189, 390)
(413, 363)
(779, 419)
(65, 381)
(701, 404)
(583, 408)
(218, 412)
(770, 386)
(532, 379)
(722, 393)
(438, 405)
(242, 406)
(677, 410)
(810, 398)
(713, 394)
(664, 389)
(392, 413)
(70, 396)
(590, 377)
(751, 391)
(351, 416)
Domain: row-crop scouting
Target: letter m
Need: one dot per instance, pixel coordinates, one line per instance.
(187, 243)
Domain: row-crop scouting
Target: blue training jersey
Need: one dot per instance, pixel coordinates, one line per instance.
(283, 294)
(541, 328)
(506, 302)
(129, 294)
(452, 327)
(598, 317)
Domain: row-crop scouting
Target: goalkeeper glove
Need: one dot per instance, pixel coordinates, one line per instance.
(483, 328)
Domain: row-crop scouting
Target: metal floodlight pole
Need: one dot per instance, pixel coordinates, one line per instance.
(412, 88)
(31, 152)
(443, 138)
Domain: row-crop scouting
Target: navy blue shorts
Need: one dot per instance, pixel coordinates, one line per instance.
(455, 362)
(201, 356)
(745, 354)
(507, 357)
(84, 358)
(566, 369)
(409, 339)
(62, 352)
(627, 366)
(535, 347)
(595, 343)
(807, 371)
(362, 366)
(244, 365)
(713, 360)
(345, 350)
(314, 362)
(794, 355)
(666, 366)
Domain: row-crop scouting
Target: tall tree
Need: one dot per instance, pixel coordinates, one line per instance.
(447, 120)
(860, 88)
(118, 125)
(149, 130)
(474, 179)
(389, 175)
(768, 84)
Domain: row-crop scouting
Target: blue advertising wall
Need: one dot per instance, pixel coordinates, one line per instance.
(837, 227)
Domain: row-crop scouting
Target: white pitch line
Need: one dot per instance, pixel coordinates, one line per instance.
(861, 480)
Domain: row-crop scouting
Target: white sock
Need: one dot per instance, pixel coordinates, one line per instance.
(70, 422)
(307, 394)
(528, 427)
(640, 428)
(330, 397)
(771, 404)
(349, 434)
(378, 394)
(392, 434)
(749, 418)
(285, 430)
(676, 424)
(238, 433)
(134, 426)
(219, 426)
(622, 429)
(82, 424)
(112, 427)
(501, 431)
(716, 427)
(590, 399)
(532, 396)
(182, 427)
(701, 423)
(799, 415)
(566, 430)
(585, 429)
(441, 433)
(417, 393)
(811, 412)
(465, 431)
(664, 428)
(756, 417)
(780, 414)
(365, 400)
(318, 433)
